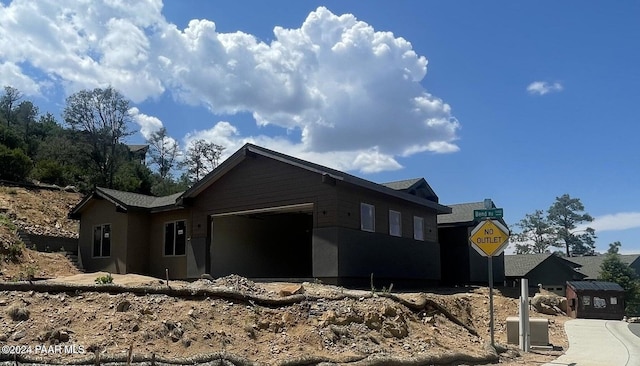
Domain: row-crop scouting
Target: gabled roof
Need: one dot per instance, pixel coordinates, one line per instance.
(134, 148)
(127, 200)
(595, 286)
(591, 264)
(252, 150)
(402, 185)
(519, 265)
(462, 214)
(416, 186)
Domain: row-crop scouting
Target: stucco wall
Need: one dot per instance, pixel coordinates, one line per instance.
(158, 262)
(100, 212)
(138, 243)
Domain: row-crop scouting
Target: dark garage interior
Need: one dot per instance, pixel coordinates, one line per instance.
(262, 245)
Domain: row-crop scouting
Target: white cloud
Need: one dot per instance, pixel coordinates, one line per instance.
(148, 124)
(614, 222)
(12, 75)
(543, 87)
(350, 90)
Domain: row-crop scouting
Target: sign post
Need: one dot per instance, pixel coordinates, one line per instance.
(490, 238)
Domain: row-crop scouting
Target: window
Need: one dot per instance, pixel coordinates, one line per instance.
(395, 223)
(175, 234)
(418, 228)
(102, 240)
(367, 217)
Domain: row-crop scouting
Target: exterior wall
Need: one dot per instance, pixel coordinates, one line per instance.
(349, 199)
(479, 268)
(591, 304)
(260, 182)
(461, 263)
(138, 242)
(551, 274)
(103, 212)
(454, 255)
(158, 262)
(362, 253)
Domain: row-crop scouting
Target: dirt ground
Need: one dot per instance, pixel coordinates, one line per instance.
(325, 326)
(327, 323)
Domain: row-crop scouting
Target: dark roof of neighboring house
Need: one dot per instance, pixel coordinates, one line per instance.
(128, 200)
(595, 286)
(134, 148)
(330, 174)
(519, 265)
(462, 214)
(402, 185)
(591, 264)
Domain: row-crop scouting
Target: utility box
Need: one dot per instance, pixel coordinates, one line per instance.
(538, 329)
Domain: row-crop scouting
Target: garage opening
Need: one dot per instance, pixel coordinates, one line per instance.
(272, 242)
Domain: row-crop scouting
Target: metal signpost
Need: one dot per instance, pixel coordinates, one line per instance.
(490, 238)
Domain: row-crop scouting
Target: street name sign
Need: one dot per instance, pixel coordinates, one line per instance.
(489, 238)
(492, 213)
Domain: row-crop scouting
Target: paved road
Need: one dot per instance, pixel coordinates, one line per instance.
(600, 343)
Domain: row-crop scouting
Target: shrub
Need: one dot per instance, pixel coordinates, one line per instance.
(104, 280)
(18, 312)
(14, 164)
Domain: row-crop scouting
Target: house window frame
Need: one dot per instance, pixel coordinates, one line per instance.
(93, 240)
(175, 235)
(391, 226)
(422, 228)
(363, 225)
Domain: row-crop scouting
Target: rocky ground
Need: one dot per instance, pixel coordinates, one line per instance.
(259, 325)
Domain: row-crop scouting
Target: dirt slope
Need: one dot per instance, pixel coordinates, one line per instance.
(39, 212)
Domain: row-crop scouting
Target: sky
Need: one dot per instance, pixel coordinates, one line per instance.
(520, 102)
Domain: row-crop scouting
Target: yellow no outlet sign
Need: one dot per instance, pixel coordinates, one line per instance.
(489, 238)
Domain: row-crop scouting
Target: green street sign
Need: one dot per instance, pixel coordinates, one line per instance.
(493, 213)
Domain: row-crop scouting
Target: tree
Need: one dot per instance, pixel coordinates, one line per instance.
(103, 114)
(536, 234)
(8, 100)
(614, 270)
(614, 247)
(163, 152)
(14, 164)
(201, 158)
(565, 214)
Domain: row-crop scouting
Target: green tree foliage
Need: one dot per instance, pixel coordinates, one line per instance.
(8, 101)
(201, 158)
(614, 270)
(15, 165)
(103, 115)
(614, 247)
(565, 214)
(132, 176)
(163, 152)
(536, 234)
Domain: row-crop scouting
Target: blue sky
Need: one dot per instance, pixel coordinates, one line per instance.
(515, 101)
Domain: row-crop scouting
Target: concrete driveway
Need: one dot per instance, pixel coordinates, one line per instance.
(600, 343)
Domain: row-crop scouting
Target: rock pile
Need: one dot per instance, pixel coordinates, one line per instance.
(549, 304)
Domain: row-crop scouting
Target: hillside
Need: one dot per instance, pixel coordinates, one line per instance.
(232, 317)
(39, 212)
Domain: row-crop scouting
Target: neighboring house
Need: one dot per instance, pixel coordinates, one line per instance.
(138, 153)
(461, 263)
(265, 214)
(595, 300)
(549, 271)
(591, 265)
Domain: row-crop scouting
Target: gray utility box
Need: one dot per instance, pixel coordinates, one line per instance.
(538, 330)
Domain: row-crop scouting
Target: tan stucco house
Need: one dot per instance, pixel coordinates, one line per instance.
(264, 214)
